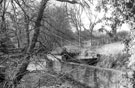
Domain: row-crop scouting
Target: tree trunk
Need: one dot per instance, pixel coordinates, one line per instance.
(91, 32)
(23, 68)
(27, 30)
(114, 29)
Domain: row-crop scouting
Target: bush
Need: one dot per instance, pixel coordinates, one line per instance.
(117, 61)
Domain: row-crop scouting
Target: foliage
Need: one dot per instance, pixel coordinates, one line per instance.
(113, 17)
(126, 10)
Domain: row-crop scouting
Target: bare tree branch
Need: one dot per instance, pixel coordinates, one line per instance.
(26, 17)
(1, 1)
(72, 2)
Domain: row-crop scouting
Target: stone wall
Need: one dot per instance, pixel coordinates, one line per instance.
(90, 75)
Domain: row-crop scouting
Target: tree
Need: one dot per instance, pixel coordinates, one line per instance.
(126, 10)
(74, 15)
(113, 17)
(58, 29)
(85, 7)
(29, 51)
(35, 21)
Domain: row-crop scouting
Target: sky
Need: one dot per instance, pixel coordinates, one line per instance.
(85, 19)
